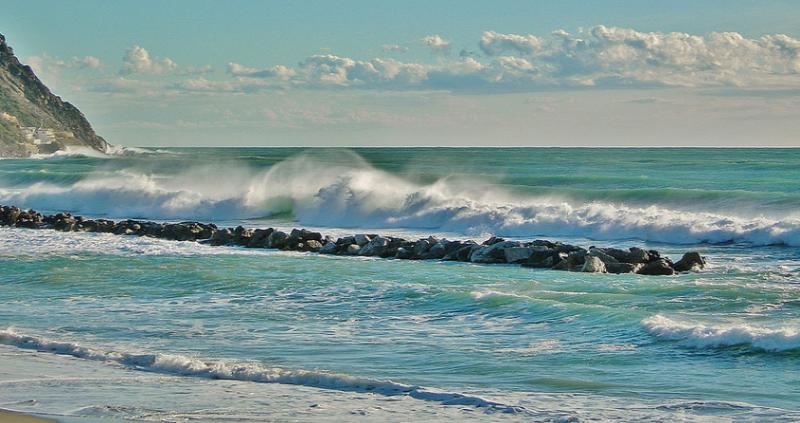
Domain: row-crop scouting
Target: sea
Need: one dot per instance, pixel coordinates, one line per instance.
(98, 327)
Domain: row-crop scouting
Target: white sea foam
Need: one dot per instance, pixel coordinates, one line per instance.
(15, 242)
(111, 152)
(698, 335)
(491, 295)
(353, 194)
(182, 365)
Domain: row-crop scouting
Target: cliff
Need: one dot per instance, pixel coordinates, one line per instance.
(34, 120)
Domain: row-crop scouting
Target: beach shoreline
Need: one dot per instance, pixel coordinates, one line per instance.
(8, 416)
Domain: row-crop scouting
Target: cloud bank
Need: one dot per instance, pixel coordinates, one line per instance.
(597, 57)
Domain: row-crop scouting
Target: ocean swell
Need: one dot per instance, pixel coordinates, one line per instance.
(182, 365)
(350, 193)
(702, 336)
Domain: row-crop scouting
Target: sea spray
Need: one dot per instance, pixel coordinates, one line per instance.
(346, 191)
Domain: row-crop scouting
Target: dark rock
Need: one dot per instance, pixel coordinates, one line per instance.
(361, 239)
(567, 248)
(451, 247)
(375, 247)
(659, 267)
(328, 248)
(544, 258)
(184, 231)
(9, 215)
(394, 245)
(436, 252)
(464, 253)
(404, 253)
(623, 267)
(601, 254)
(518, 254)
(222, 237)
(242, 235)
(277, 239)
(574, 261)
(421, 247)
(689, 261)
(492, 253)
(64, 222)
(259, 238)
(543, 243)
(493, 240)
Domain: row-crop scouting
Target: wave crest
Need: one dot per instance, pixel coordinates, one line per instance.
(702, 336)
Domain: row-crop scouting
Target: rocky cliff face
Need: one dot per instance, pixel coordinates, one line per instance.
(34, 120)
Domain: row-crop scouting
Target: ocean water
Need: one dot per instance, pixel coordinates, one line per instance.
(96, 327)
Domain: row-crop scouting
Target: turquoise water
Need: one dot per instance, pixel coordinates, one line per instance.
(444, 340)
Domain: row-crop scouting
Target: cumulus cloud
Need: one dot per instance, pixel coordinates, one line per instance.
(597, 57)
(437, 44)
(88, 62)
(493, 43)
(137, 60)
(278, 71)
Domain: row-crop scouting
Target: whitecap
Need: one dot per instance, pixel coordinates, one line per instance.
(702, 336)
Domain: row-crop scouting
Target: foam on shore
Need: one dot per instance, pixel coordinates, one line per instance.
(182, 365)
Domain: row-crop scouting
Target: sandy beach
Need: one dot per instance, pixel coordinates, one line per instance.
(14, 417)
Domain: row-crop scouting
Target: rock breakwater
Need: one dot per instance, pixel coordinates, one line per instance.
(541, 254)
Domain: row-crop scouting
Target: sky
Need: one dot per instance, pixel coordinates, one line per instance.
(421, 73)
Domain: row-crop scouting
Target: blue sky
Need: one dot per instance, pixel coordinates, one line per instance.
(420, 72)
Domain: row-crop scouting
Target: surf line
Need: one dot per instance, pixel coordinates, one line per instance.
(541, 254)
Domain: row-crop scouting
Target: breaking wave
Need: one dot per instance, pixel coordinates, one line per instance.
(703, 336)
(182, 365)
(347, 192)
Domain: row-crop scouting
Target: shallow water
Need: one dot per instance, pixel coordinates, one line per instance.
(440, 340)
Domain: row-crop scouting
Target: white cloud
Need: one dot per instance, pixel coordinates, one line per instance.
(44, 62)
(597, 57)
(680, 59)
(493, 43)
(437, 44)
(393, 48)
(138, 60)
(278, 71)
